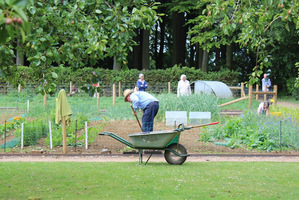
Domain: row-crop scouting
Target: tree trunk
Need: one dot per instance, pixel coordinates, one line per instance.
(205, 61)
(161, 50)
(179, 38)
(116, 65)
(20, 56)
(192, 53)
(229, 56)
(223, 53)
(145, 49)
(199, 56)
(137, 62)
(156, 42)
(217, 59)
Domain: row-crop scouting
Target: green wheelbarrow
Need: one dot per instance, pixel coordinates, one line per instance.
(174, 152)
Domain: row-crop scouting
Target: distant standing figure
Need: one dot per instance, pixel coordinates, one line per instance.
(141, 83)
(264, 108)
(94, 74)
(184, 86)
(266, 82)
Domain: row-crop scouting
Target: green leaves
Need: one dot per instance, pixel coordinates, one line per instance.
(246, 22)
(85, 32)
(13, 20)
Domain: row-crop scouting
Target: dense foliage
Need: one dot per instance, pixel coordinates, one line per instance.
(250, 37)
(247, 23)
(25, 75)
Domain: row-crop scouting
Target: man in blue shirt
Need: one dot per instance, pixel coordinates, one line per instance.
(146, 102)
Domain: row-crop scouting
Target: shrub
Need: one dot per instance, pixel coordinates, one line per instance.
(83, 76)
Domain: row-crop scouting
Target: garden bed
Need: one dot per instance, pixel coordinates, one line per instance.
(122, 128)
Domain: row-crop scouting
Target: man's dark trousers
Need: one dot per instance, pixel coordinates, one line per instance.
(149, 114)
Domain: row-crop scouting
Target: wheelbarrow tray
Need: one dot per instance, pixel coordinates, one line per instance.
(153, 140)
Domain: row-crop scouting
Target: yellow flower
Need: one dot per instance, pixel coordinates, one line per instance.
(12, 122)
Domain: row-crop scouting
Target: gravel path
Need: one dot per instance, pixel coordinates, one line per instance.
(154, 158)
(288, 104)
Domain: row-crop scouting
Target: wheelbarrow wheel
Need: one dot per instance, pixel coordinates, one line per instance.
(173, 159)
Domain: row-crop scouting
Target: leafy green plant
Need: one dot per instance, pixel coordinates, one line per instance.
(73, 137)
(11, 125)
(265, 133)
(33, 131)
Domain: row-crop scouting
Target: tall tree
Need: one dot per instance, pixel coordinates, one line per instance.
(247, 23)
(179, 38)
(145, 49)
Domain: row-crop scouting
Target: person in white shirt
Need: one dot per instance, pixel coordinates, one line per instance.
(183, 86)
(264, 108)
(266, 82)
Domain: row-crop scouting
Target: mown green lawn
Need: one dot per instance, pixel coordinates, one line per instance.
(157, 180)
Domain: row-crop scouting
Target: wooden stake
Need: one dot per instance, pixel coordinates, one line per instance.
(257, 89)
(119, 89)
(114, 94)
(234, 101)
(45, 100)
(250, 96)
(98, 100)
(242, 90)
(169, 87)
(64, 135)
(265, 95)
(275, 95)
(71, 88)
(19, 88)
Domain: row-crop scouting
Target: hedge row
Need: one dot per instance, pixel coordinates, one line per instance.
(81, 76)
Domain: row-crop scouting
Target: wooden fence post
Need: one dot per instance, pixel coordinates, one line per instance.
(257, 89)
(250, 96)
(169, 87)
(45, 100)
(242, 90)
(19, 88)
(71, 87)
(119, 88)
(114, 94)
(275, 95)
(64, 135)
(265, 95)
(98, 100)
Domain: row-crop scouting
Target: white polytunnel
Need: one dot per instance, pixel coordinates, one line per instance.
(218, 88)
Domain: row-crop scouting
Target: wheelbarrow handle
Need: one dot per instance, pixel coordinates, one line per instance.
(213, 123)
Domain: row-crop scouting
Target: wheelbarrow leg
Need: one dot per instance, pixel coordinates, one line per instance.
(149, 157)
(140, 156)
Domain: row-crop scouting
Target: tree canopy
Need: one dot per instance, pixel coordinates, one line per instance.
(251, 37)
